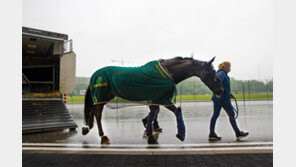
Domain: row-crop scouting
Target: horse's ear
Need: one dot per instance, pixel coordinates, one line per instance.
(211, 61)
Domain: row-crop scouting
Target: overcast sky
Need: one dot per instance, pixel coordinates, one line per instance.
(240, 31)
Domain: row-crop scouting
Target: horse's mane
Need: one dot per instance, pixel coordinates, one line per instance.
(178, 58)
(182, 58)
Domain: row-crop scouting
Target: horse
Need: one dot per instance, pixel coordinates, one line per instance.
(153, 82)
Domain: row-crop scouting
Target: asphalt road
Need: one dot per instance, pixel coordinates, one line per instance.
(223, 160)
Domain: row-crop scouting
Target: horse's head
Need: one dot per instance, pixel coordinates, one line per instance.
(208, 75)
(182, 68)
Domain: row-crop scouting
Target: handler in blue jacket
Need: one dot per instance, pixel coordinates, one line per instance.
(225, 102)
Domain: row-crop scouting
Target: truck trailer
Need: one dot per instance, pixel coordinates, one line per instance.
(48, 75)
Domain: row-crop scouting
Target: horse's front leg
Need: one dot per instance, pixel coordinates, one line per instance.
(180, 121)
(149, 128)
(98, 114)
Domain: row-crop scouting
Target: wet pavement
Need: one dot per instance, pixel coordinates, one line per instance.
(128, 147)
(124, 126)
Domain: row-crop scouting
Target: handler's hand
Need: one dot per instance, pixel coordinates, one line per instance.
(232, 96)
(218, 96)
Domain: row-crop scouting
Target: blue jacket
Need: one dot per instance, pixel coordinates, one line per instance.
(225, 96)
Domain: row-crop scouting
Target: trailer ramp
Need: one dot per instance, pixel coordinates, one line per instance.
(39, 115)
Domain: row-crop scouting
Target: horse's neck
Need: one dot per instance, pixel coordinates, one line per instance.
(179, 70)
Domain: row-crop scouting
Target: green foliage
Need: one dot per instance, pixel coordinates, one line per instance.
(253, 96)
(81, 84)
(252, 86)
(194, 86)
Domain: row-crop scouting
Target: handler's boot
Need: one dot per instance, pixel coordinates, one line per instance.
(181, 136)
(214, 137)
(241, 135)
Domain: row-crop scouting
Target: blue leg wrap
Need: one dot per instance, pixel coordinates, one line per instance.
(154, 117)
(180, 122)
(155, 122)
(149, 127)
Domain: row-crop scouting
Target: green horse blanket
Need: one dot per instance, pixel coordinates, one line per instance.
(148, 83)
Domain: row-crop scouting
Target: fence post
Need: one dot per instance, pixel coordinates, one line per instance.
(244, 92)
(194, 89)
(116, 110)
(267, 90)
(249, 89)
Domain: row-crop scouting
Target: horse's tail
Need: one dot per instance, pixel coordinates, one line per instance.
(88, 109)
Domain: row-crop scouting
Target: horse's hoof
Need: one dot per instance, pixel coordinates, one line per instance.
(105, 140)
(181, 136)
(145, 134)
(159, 130)
(85, 130)
(152, 140)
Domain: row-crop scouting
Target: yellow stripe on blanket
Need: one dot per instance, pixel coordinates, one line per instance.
(160, 71)
(100, 84)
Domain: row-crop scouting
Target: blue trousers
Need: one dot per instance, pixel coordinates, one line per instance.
(227, 106)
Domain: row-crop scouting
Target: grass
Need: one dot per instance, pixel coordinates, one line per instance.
(253, 96)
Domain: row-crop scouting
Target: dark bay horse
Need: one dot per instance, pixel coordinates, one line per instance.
(102, 89)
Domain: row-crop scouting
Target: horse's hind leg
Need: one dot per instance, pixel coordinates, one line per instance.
(89, 123)
(149, 129)
(155, 122)
(88, 112)
(98, 114)
(180, 122)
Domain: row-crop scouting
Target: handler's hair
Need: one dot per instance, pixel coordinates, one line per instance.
(224, 65)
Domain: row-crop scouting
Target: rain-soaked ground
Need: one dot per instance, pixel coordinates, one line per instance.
(124, 125)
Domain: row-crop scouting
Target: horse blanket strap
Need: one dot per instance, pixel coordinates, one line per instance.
(149, 83)
(180, 122)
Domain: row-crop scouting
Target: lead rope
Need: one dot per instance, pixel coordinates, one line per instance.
(236, 110)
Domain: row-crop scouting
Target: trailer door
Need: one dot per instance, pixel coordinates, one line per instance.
(67, 72)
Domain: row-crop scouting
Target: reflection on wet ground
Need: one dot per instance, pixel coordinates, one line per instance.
(124, 126)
